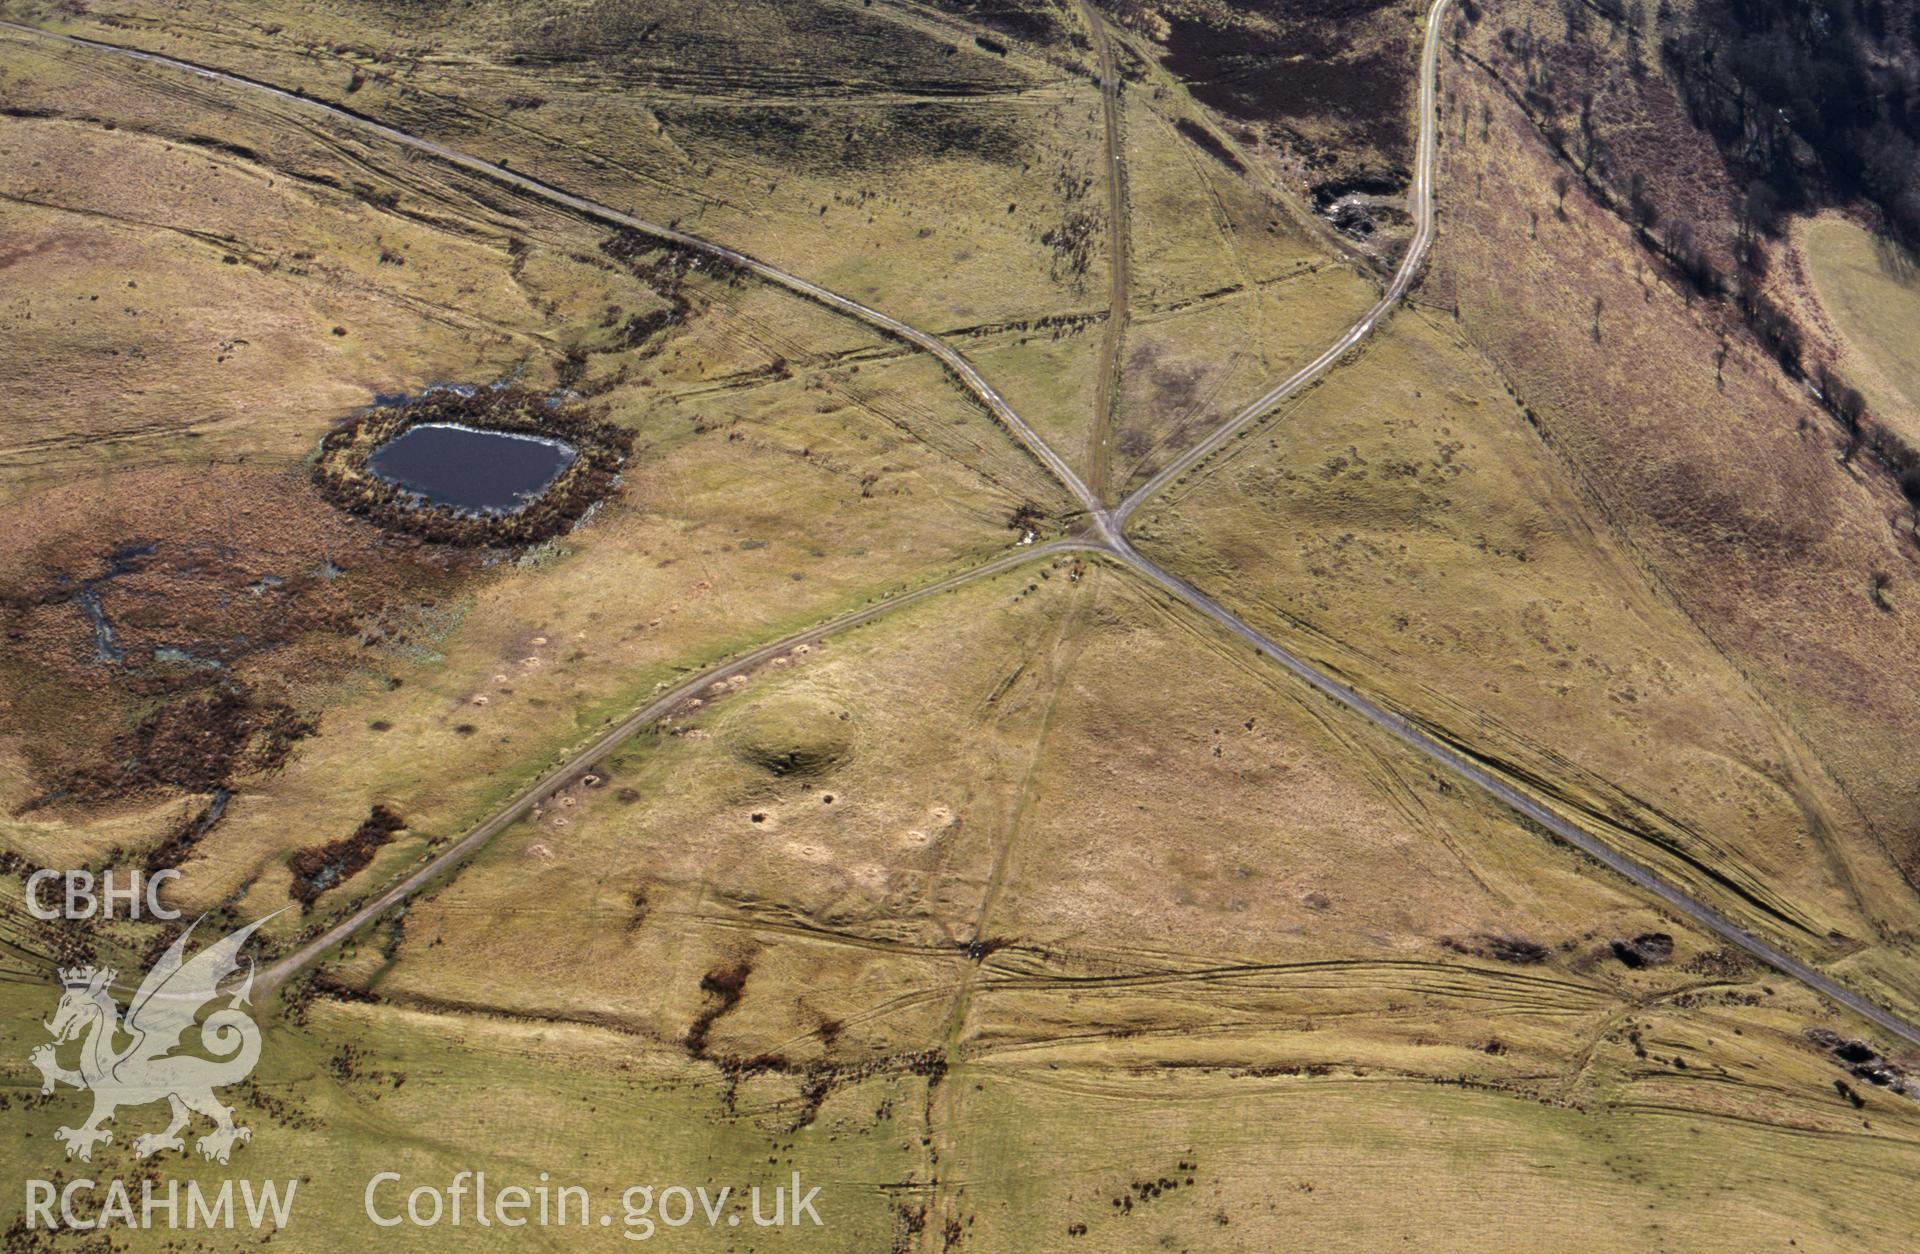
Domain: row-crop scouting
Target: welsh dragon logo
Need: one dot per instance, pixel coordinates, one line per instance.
(166, 1006)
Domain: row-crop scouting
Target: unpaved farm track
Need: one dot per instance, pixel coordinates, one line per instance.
(277, 973)
(1106, 392)
(1105, 537)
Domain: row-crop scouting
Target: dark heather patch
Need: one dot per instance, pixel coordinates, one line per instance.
(318, 869)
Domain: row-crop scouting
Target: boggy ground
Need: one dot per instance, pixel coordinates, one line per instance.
(841, 920)
(162, 627)
(1040, 863)
(186, 615)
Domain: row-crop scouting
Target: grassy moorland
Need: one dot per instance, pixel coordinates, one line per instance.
(1866, 285)
(784, 456)
(1730, 489)
(904, 935)
(874, 148)
(1037, 909)
(1403, 525)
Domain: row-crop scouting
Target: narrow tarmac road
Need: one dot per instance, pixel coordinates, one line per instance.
(962, 369)
(1420, 204)
(1106, 536)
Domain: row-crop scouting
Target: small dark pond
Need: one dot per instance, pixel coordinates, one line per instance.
(493, 472)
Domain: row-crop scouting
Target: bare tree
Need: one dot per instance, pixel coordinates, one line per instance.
(1640, 202)
(1910, 488)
